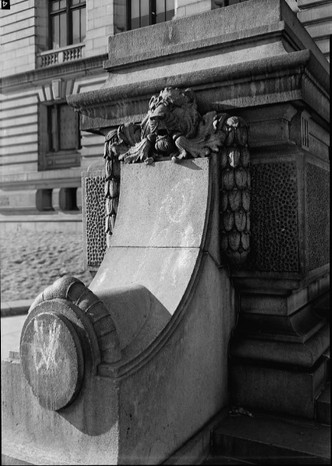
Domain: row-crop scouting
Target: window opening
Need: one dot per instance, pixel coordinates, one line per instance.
(146, 12)
(63, 128)
(67, 22)
(59, 136)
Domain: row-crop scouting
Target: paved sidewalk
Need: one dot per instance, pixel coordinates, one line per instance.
(31, 261)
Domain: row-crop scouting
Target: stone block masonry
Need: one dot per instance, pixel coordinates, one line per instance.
(189, 7)
(100, 22)
(19, 135)
(316, 16)
(17, 27)
(23, 143)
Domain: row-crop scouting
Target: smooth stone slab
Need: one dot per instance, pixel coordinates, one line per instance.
(162, 205)
(159, 232)
(165, 272)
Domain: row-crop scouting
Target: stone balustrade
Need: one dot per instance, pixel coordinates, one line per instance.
(61, 55)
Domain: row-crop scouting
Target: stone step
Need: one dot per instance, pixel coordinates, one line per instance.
(323, 406)
(326, 355)
(265, 439)
(322, 306)
(223, 460)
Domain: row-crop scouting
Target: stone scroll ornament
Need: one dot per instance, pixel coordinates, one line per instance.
(173, 129)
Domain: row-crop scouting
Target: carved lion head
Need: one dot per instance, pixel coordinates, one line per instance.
(172, 112)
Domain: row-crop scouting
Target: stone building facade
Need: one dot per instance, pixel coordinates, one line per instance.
(53, 49)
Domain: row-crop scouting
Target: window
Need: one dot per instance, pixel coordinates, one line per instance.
(145, 12)
(63, 132)
(59, 136)
(67, 22)
(222, 3)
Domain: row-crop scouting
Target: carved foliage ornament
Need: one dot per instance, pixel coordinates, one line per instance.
(174, 129)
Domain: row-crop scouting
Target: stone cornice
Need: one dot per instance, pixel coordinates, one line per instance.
(46, 179)
(84, 66)
(265, 81)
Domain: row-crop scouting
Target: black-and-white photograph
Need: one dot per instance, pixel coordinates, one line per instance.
(164, 232)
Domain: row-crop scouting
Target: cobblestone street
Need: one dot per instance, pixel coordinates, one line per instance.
(30, 262)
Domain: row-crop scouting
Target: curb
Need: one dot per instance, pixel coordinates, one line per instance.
(15, 308)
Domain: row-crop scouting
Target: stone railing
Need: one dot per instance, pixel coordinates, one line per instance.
(61, 55)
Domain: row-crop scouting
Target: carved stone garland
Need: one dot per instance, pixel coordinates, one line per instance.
(174, 129)
(112, 183)
(235, 193)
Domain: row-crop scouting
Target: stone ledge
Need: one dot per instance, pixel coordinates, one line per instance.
(15, 308)
(198, 46)
(283, 353)
(197, 447)
(70, 177)
(86, 66)
(224, 74)
(210, 28)
(55, 217)
(273, 440)
(58, 222)
(251, 83)
(277, 388)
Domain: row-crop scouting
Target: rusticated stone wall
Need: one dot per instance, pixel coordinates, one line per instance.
(94, 220)
(317, 217)
(274, 218)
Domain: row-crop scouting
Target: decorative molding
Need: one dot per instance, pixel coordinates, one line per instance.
(235, 197)
(112, 183)
(305, 117)
(58, 56)
(41, 94)
(66, 305)
(56, 89)
(241, 85)
(85, 82)
(82, 66)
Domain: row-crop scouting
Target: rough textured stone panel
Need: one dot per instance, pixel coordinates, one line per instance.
(317, 221)
(94, 220)
(274, 234)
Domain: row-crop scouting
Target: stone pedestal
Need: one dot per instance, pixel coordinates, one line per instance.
(278, 349)
(160, 312)
(281, 88)
(141, 367)
(278, 82)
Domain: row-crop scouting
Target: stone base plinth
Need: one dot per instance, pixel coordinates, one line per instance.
(277, 389)
(278, 351)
